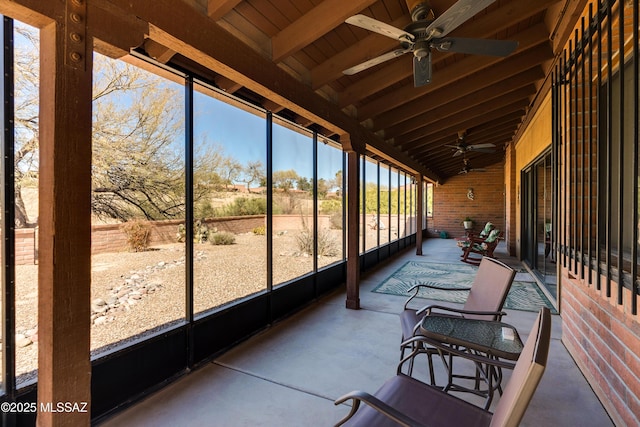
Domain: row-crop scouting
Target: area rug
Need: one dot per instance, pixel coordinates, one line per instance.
(525, 296)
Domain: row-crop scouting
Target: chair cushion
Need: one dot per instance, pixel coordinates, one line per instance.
(487, 229)
(492, 236)
(423, 403)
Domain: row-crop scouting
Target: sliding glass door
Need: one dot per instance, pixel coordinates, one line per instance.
(537, 226)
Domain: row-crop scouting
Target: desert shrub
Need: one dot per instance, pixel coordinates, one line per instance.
(137, 233)
(223, 238)
(244, 206)
(200, 232)
(203, 209)
(286, 203)
(181, 234)
(327, 245)
(335, 221)
(260, 231)
(331, 206)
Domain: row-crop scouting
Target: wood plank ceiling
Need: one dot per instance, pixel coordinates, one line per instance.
(485, 97)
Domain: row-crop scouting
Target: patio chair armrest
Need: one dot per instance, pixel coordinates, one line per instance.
(378, 405)
(461, 311)
(416, 289)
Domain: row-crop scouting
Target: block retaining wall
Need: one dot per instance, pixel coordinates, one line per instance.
(110, 238)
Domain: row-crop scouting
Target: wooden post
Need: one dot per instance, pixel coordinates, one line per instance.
(419, 215)
(64, 276)
(353, 224)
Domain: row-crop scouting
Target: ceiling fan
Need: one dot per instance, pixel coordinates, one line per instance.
(462, 147)
(423, 34)
(467, 168)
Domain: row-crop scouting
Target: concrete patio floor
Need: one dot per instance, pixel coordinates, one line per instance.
(290, 373)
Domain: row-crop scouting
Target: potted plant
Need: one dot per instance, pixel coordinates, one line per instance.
(467, 223)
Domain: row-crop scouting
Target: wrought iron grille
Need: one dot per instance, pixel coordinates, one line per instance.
(595, 148)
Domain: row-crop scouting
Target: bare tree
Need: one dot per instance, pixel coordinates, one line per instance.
(253, 172)
(231, 171)
(138, 167)
(26, 160)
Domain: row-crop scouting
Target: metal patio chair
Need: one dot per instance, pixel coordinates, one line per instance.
(405, 401)
(487, 295)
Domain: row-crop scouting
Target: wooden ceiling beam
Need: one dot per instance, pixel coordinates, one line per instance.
(227, 84)
(498, 139)
(509, 122)
(496, 127)
(482, 135)
(526, 92)
(313, 25)
(160, 53)
(274, 107)
(394, 71)
(452, 127)
(513, 71)
(466, 114)
(216, 9)
(564, 28)
(451, 108)
(114, 34)
(35, 13)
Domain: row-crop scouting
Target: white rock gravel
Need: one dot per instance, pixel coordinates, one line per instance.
(135, 294)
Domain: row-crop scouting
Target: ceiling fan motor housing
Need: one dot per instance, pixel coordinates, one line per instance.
(421, 44)
(421, 49)
(419, 9)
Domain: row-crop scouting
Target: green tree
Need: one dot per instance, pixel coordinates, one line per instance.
(285, 180)
(323, 188)
(304, 184)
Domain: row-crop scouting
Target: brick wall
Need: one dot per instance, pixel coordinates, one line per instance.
(451, 204)
(604, 340)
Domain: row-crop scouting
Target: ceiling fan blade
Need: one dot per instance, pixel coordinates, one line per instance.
(375, 61)
(457, 147)
(455, 16)
(421, 71)
(379, 27)
(481, 150)
(457, 153)
(475, 46)
(485, 145)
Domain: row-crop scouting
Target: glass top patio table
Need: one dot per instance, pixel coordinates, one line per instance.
(480, 335)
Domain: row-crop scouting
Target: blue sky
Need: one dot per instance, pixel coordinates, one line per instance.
(242, 135)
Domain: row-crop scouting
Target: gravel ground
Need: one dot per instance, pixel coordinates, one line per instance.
(135, 294)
